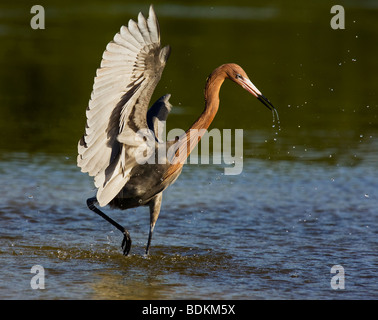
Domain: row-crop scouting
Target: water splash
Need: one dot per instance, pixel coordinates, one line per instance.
(275, 114)
(276, 119)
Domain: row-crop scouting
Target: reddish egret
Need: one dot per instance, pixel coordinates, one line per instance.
(131, 67)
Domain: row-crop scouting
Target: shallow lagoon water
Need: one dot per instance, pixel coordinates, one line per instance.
(305, 201)
(272, 233)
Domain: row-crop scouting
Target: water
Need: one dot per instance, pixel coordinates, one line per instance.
(272, 233)
(305, 201)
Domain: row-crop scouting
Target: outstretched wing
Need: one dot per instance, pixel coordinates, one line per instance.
(130, 69)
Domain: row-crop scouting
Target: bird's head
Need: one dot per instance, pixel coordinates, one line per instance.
(237, 74)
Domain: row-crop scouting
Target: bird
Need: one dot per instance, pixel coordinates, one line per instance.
(121, 128)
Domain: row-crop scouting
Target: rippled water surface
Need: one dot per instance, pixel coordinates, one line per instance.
(273, 232)
(307, 196)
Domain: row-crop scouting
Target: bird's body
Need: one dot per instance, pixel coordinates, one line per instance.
(121, 128)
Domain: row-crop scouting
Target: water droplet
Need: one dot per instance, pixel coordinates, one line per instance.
(366, 195)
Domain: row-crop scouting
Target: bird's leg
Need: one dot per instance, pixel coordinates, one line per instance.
(155, 205)
(126, 243)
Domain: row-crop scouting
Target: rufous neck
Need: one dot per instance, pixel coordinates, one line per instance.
(213, 84)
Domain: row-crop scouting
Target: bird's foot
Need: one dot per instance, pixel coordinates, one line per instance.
(126, 242)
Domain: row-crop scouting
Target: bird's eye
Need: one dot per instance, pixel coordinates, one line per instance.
(238, 76)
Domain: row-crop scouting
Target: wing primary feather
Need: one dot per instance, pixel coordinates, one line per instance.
(135, 32)
(153, 26)
(142, 24)
(129, 39)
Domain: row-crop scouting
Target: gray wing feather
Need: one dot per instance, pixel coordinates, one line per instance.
(130, 69)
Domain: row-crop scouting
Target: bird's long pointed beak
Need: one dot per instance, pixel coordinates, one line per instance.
(250, 87)
(266, 102)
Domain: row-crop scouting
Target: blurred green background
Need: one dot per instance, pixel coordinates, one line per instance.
(323, 82)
